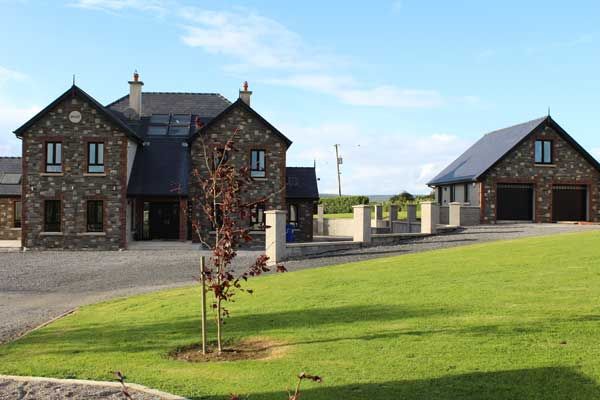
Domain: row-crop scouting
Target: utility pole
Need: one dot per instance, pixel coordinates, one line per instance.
(338, 162)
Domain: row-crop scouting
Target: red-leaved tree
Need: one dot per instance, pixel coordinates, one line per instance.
(220, 217)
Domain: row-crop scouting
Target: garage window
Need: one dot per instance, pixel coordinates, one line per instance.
(543, 152)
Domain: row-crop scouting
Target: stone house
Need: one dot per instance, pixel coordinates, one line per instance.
(534, 171)
(100, 177)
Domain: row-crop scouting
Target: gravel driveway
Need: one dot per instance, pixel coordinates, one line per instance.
(38, 286)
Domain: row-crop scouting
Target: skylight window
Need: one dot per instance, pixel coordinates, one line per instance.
(169, 124)
(162, 119)
(181, 119)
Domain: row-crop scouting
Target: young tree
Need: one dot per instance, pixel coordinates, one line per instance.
(222, 204)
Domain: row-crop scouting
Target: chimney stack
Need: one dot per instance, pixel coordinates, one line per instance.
(245, 94)
(135, 94)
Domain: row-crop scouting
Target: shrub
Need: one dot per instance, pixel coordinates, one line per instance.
(343, 204)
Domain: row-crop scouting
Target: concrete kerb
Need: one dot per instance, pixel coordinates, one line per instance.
(133, 386)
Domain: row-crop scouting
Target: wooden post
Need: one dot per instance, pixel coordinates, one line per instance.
(203, 284)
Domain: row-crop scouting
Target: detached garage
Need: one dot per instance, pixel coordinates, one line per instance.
(534, 171)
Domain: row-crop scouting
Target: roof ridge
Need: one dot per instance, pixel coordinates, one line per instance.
(10, 157)
(515, 125)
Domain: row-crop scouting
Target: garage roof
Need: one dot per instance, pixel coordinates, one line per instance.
(492, 147)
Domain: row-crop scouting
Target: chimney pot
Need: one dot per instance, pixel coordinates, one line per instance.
(245, 94)
(135, 94)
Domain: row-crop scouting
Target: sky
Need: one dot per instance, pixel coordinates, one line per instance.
(404, 87)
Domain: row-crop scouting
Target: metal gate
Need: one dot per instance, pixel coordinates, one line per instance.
(569, 203)
(514, 202)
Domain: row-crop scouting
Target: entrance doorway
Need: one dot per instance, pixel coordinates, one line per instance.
(161, 221)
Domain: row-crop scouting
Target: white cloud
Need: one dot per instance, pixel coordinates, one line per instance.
(122, 5)
(383, 164)
(257, 42)
(347, 90)
(11, 117)
(7, 74)
(251, 39)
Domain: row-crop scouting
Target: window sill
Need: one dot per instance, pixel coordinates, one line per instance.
(15, 229)
(259, 179)
(92, 234)
(94, 174)
(52, 174)
(545, 165)
(51, 233)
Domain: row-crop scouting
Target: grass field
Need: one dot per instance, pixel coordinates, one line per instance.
(506, 320)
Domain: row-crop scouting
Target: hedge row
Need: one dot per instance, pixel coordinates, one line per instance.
(338, 205)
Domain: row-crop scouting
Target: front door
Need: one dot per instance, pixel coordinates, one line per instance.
(164, 220)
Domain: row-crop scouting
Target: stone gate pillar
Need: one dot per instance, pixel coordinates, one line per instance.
(362, 224)
(275, 246)
(430, 216)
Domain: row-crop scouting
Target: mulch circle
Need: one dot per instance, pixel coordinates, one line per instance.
(247, 349)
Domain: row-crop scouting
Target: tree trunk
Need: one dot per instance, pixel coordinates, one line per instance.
(203, 283)
(219, 322)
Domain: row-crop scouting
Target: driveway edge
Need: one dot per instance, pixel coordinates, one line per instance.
(134, 386)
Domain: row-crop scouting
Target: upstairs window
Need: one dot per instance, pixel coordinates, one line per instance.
(95, 158)
(52, 215)
(17, 214)
(543, 152)
(167, 124)
(95, 216)
(54, 157)
(257, 167)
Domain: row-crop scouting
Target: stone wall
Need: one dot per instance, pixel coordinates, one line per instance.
(469, 216)
(74, 186)
(444, 215)
(252, 134)
(569, 167)
(7, 222)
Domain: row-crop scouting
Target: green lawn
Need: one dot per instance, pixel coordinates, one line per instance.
(507, 320)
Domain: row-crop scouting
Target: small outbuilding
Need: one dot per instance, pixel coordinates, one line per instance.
(534, 171)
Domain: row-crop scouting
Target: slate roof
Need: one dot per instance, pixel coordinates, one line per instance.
(207, 105)
(485, 153)
(161, 168)
(301, 183)
(10, 176)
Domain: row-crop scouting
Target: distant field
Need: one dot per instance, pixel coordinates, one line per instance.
(401, 215)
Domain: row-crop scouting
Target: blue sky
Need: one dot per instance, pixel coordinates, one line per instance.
(403, 86)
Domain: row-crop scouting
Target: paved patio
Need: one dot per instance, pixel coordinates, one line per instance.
(39, 285)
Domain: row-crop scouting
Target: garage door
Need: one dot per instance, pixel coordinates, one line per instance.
(569, 202)
(514, 202)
